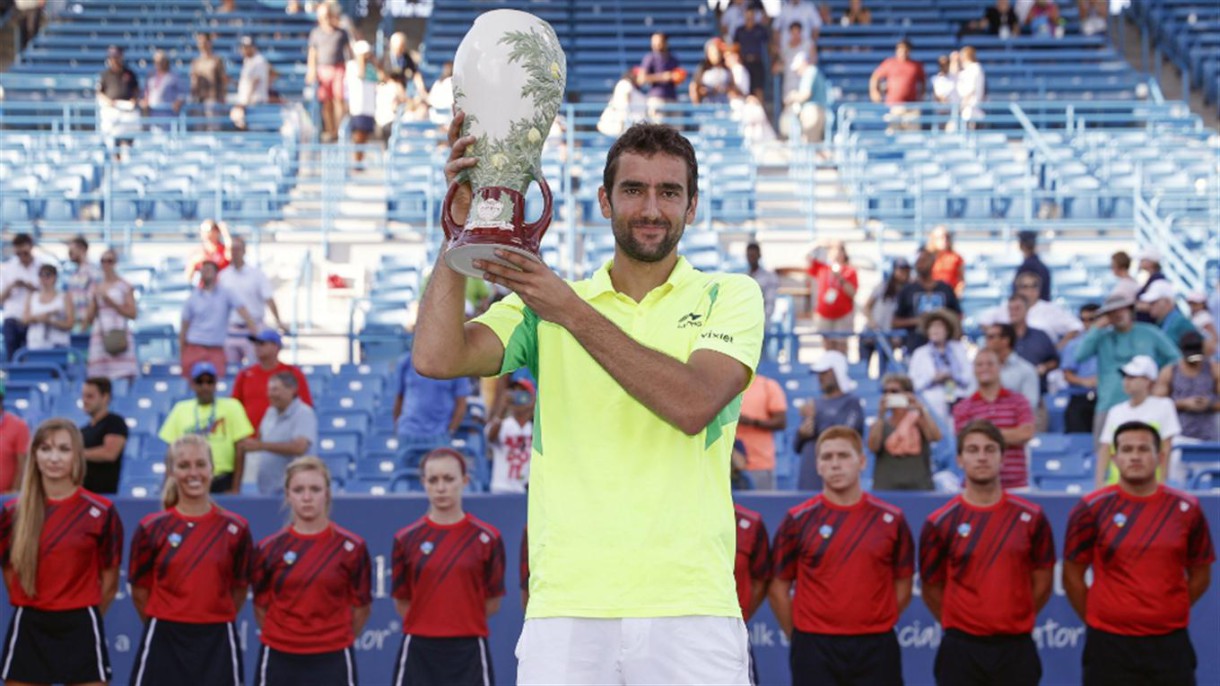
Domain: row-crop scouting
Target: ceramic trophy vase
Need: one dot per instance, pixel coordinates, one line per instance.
(508, 77)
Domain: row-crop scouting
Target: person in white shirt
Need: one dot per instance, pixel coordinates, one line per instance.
(1057, 322)
(360, 82)
(792, 43)
(18, 282)
(511, 436)
(254, 84)
(797, 12)
(1139, 375)
(971, 87)
(440, 97)
(253, 289)
(940, 370)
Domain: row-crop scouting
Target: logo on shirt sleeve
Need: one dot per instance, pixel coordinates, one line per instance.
(887, 518)
(95, 513)
(484, 538)
(1183, 506)
(743, 523)
(1026, 517)
(233, 529)
(349, 546)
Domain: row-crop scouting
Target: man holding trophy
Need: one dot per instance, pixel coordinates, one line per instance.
(640, 372)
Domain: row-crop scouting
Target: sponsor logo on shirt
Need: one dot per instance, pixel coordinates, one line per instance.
(484, 538)
(743, 523)
(349, 546)
(95, 513)
(290, 557)
(690, 319)
(963, 529)
(1120, 520)
(426, 547)
(826, 530)
(233, 529)
(717, 335)
(888, 518)
(175, 539)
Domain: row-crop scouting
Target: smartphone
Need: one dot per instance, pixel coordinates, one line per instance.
(897, 401)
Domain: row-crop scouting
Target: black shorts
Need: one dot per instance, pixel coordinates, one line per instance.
(1116, 660)
(186, 654)
(67, 646)
(863, 660)
(362, 123)
(277, 668)
(1005, 660)
(461, 661)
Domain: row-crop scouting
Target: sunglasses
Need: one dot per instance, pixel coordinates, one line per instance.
(108, 260)
(206, 381)
(991, 335)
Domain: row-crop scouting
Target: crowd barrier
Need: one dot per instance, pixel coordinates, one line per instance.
(1058, 632)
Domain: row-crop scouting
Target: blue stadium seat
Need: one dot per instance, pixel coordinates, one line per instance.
(376, 486)
(406, 481)
(141, 487)
(143, 419)
(340, 466)
(372, 466)
(339, 442)
(351, 420)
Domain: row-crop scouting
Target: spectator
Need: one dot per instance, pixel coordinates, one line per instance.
(948, 267)
(789, 44)
(104, 435)
(944, 81)
(510, 433)
(215, 241)
(49, 314)
(205, 320)
(971, 85)
(1027, 241)
(29, 20)
(1194, 386)
(922, 295)
(18, 283)
(163, 92)
(1016, 374)
(1045, 316)
(753, 39)
(250, 384)
(713, 81)
(1093, 17)
(1009, 411)
(940, 369)
(112, 348)
(901, 439)
(1081, 377)
(254, 83)
(1120, 266)
(209, 80)
(905, 83)
(627, 105)
(879, 311)
(1138, 377)
(1115, 341)
(222, 421)
(360, 77)
(427, 411)
(253, 289)
(1203, 320)
(118, 89)
(660, 73)
(288, 430)
(1160, 298)
(764, 410)
(838, 406)
(734, 16)
(1150, 267)
(1033, 345)
(328, 53)
(856, 15)
(800, 13)
(810, 101)
(227, 7)
(81, 279)
(767, 279)
(999, 20)
(399, 66)
(748, 109)
(14, 445)
(1043, 18)
(440, 97)
(836, 282)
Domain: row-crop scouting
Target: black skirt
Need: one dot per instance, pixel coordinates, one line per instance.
(184, 654)
(458, 661)
(277, 668)
(67, 646)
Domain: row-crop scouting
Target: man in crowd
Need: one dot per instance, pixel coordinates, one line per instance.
(105, 437)
(164, 93)
(948, 267)
(851, 557)
(754, 40)
(1009, 412)
(799, 12)
(1138, 375)
(253, 289)
(81, 277)
(767, 280)
(18, 283)
(1081, 376)
(250, 384)
(427, 411)
(905, 82)
(986, 565)
(29, 20)
(1193, 384)
(118, 91)
(1150, 266)
(810, 99)
(1032, 345)
(1040, 314)
(1151, 552)
(764, 410)
(325, 68)
(222, 421)
(1161, 299)
(14, 446)
(289, 429)
(924, 294)
(205, 320)
(659, 74)
(837, 406)
(1027, 241)
(254, 83)
(1016, 373)
(209, 78)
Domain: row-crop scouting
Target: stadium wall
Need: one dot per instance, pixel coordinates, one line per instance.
(1060, 635)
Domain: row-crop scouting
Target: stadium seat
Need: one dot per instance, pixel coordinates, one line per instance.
(339, 442)
(406, 481)
(376, 486)
(359, 421)
(141, 487)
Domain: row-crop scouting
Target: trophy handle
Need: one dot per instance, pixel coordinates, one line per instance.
(452, 228)
(537, 229)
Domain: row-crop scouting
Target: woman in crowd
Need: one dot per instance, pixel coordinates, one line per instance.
(836, 282)
(111, 306)
(879, 310)
(940, 369)
(712, 83)
(60, 548)
(49, 313)
(312, 588)
(902, 438)
(445, 607)
(189, 572)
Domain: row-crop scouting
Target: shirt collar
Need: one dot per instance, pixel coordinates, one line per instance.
(292, 407)
(601, 283)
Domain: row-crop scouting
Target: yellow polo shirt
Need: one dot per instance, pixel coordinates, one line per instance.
(223, 423)
(628, 516)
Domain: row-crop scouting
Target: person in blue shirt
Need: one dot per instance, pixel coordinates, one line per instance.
(1028, 242)
(1081, 376)
(427, 411)
(659, 73)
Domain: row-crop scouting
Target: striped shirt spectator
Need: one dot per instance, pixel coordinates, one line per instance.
(1009, 411)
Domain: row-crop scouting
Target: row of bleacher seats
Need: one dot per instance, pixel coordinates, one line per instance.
(1188, 33)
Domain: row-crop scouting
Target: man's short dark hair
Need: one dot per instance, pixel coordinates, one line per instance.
(22, 239)
(753, 246)
(1007, 332)
(648, 139)
(101, 383)
(1089, 308)
(1028, 275)
(905, 42)
(1137, 426)
(980, 426)
(287, 379)
(1018, 296)
(1121, 260)
(79, 241)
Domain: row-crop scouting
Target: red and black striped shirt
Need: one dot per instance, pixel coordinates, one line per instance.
(191, 565)
(844, 561)
(308, 585)
(82, 536)
(985, 557)
(753, 561)
(448, 572)
(1140, 549)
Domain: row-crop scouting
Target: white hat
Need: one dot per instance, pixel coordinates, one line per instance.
(1150, 253)
(1196, 297)
(833, 360)
(1140, 365)
(1158, 290)
(362, 47)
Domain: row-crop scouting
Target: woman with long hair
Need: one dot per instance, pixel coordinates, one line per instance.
(879, 312)
(713, 82)
(189, 574)
(49, 314)
(111, 309)
(901, 439)
(60, 546)
(445, 606)
(312, 588)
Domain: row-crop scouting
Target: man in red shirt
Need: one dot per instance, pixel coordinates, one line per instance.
(851, 557)
(949, 266)
(986, 560)
(1008, 411)
(14, 446)
(1151, 552)
(250, 385)
(905, 82)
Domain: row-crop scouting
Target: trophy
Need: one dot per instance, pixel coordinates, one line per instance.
(508, 77)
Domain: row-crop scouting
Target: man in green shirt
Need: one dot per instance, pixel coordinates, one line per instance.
(1162, 305)
(222, 421)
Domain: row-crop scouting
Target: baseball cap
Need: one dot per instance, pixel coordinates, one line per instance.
(1150, 253)
(1158, 290)
(201, 368)
(833, 360)
(1116, 301)
(1196, 297)
(1191, 344)
(525, 385)
(1140, 365)
(267, 336)
(246, 41)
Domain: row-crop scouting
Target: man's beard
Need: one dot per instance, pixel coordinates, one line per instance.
(624, 237)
